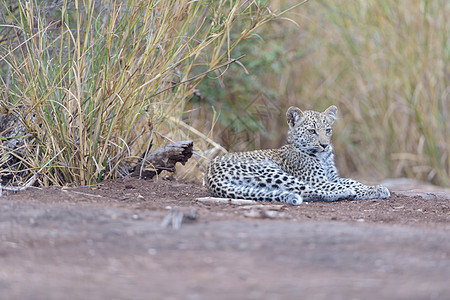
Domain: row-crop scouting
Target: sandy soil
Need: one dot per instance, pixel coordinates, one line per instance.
(108, 242)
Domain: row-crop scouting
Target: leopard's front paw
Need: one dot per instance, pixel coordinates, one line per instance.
(347, 194)
(291, 198)
(382, 192)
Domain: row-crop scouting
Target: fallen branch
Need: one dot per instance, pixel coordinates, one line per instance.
(274, 207)
(29, 183)
(164, 159)
(84, 194)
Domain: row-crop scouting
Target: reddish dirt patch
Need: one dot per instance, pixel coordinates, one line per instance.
(107, 241)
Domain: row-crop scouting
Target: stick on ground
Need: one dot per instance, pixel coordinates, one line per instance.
(228, 200)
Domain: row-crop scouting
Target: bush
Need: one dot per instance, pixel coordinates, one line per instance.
(90, 82)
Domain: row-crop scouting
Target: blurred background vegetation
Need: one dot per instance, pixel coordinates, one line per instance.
(384, 64)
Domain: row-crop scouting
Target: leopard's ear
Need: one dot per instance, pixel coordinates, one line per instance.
(331, 113)
(294, 115)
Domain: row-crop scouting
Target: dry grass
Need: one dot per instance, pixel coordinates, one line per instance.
(94, 82)
(385, 65)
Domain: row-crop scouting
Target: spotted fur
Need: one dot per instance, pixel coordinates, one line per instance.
(302, 170)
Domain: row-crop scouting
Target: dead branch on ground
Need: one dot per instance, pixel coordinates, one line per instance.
(164, 159)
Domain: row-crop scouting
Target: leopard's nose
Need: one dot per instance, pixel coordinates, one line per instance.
(324, 145)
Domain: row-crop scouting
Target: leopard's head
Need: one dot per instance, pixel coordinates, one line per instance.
(311, 130)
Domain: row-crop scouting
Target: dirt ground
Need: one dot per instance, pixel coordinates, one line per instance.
(120, 240)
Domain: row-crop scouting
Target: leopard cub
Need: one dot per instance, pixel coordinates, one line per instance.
(302, 170)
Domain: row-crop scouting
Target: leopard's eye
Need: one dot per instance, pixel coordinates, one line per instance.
(312, 131)
(328, 130)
